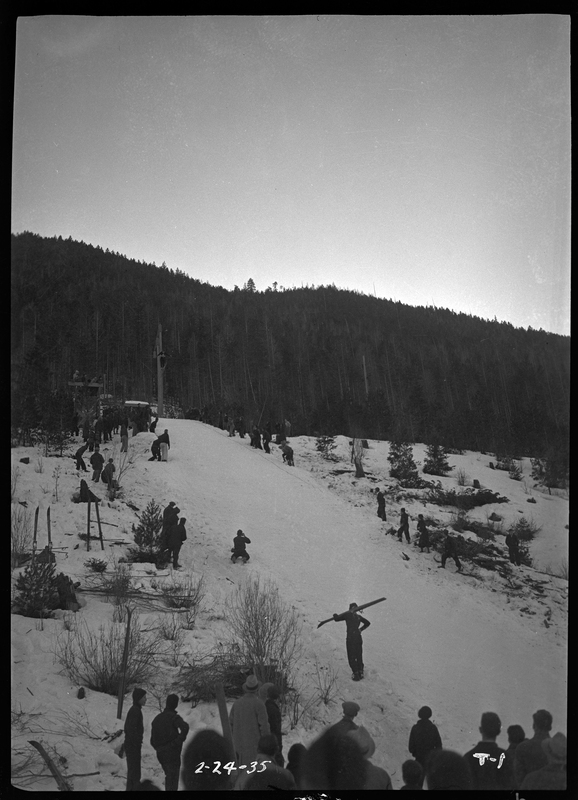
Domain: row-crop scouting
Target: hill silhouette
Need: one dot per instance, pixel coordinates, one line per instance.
(329, 360)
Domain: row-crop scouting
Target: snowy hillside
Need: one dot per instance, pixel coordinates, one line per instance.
(461, 643)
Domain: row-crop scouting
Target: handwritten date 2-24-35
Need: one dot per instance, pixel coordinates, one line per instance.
(230, 766)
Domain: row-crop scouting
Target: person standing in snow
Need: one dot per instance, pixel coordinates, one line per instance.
(170, 518)
(381, 505)
(266, 440)
(165, 444)
(97, 462)
(404, 526)
(168, 732)
(124, 436)
(133, 736)
(80, 465)
(424, 738)
(450, 551)
(248, 720)
(239, 549)
(423, 534)
(175, 538)
(287, 454)
(513, 545)
(346, 723)
(353, 641)
(153, 425)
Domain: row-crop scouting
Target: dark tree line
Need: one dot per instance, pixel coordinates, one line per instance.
(331, 361)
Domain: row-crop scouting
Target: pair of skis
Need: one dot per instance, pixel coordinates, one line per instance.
(35, 537)
(357, 608)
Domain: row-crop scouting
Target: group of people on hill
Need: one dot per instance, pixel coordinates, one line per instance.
(339, 758)
(450, 549)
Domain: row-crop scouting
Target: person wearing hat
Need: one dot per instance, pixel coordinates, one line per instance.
(168, 732)
(490, 766)
(239, 549)
(346, 723)
(553, 775)
(353, 640)
(375, 777)
(248, 720)
(133, 736)
(424, 737)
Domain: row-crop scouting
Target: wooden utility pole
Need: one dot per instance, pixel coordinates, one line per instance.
(160, 360)
(122, 682)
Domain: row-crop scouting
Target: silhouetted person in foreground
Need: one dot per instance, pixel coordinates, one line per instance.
(489, 765)
(447, 770)
(551, 777)
(206, 747)
(333, 762)
(412, 775)
(529, 755)
(133, 736)
(168, 732)
(424, 737)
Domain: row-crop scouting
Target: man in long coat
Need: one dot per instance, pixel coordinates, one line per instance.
(133, 736)
(249, 721)
(381, 505)
(175, 538)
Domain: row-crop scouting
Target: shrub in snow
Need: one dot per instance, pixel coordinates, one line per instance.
(325, 445)
(198, 677)
(94, 658)
(466, 500)
(20, 535)
(436, 460)
(515, 471)
(525, 529)
(96, 565)
(267, 631)
(37, 590)
(185, 593)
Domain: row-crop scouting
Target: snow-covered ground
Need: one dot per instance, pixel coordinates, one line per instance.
(458, 643)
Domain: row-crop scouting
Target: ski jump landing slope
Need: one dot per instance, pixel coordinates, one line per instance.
(436, 640)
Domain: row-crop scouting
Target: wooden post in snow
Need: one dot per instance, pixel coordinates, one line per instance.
(222, 705)
(123, 668)
(88, 526)
(99, 528)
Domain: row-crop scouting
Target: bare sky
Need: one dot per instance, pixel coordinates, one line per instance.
(425, 159)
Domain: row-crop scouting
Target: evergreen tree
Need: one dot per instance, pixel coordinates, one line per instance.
(403, 467)
(147, 534)
(37, 590)
(325, 445)
(436, 460)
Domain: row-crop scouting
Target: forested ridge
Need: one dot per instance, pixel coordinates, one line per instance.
(330, 360)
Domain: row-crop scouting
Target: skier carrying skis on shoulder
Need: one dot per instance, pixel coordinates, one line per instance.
(353, 641)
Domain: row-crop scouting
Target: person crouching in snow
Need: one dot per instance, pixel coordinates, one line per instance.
(239, 549)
